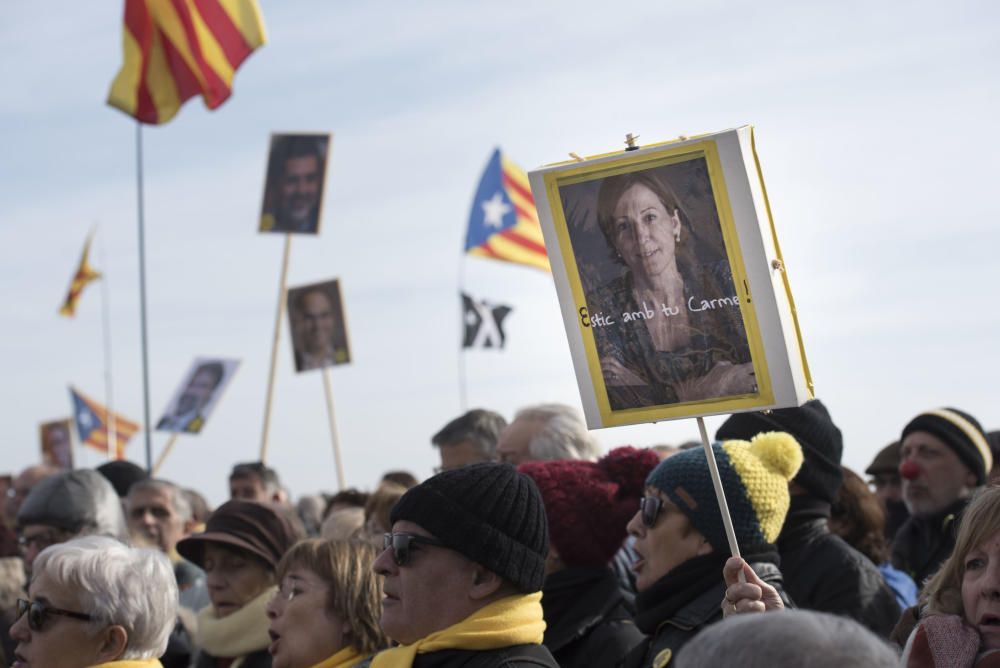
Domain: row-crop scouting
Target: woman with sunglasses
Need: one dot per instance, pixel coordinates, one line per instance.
(239, 552)
(681, 541)
(95, 602)
(327, 608)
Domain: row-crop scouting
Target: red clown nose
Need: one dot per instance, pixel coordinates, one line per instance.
(909, 469)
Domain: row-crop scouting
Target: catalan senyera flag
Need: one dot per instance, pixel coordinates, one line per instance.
(175, 49)
(503, 224)
(84, 275)
(92, 424)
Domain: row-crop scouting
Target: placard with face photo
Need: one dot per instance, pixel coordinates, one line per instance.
(197, 395)
(295, 181)
(56, 439)
(318, 326)
(671, 282)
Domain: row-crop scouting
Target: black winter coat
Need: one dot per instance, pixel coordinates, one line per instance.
(258, 659)
(701, 593)
(824, 573)
(923, 543)
(587, 622)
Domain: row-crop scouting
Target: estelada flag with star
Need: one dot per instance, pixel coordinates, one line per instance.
(176, 49)
(84, 275)
(92, 424)
(503, 224)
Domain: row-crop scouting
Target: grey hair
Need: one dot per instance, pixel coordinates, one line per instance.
(118, 585)
(787, 638)
(178, 499)
(480, 426)
(564, 435)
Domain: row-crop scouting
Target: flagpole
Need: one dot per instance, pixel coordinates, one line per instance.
(109, 395)
(463, 398)
(142, 297)
(334, 436)
(282, 290)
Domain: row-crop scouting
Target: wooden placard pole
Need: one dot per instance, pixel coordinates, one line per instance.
(163, 455)
(334, 436)
(720, 492)
(282, 296)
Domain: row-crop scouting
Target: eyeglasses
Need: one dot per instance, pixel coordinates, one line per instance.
(38, 613)
(38, 541)
(649, 510)
(402, 544)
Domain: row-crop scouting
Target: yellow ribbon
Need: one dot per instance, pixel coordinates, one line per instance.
(345, 658)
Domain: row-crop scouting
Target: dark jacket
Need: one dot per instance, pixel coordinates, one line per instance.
(686, 600)
(923, 543)
(824, 573)
(587, 622)
(516, 656)
(258, 659)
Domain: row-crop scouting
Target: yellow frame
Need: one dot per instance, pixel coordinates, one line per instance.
(708, 150)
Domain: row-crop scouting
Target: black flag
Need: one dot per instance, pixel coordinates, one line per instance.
(483, 323)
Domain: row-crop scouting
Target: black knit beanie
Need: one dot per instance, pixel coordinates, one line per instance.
(962, 433)
(811, 425)
(488, 512)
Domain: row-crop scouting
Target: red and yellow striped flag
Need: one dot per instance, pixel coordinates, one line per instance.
(93, 422)
(175, 49)
(84, 275)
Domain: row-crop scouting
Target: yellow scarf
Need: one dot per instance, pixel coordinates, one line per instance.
(130, 663)
(515, 620)
(345, 658)
(237, 634)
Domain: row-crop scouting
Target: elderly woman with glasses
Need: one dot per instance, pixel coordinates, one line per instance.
(326, 611)
(93, 602)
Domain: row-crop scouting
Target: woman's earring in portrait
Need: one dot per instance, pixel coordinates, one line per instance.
(677, 235)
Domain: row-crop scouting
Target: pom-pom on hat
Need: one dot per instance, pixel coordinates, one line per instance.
(589, 504)
(811, 425)
(961, 432)
(487, 512)
(755, 476)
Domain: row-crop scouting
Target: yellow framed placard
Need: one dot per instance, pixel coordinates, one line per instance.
(670, 280)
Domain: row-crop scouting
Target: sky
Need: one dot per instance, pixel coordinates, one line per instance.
(873, 125)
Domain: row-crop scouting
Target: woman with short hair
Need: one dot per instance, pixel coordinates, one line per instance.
(92, 602)
(326, 611)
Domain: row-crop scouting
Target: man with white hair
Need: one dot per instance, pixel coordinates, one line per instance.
(547, 432)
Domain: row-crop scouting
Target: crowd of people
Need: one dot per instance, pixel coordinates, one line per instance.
(528, 547)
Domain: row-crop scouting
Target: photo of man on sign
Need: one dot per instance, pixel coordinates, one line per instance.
(660, 295)
(293, 192)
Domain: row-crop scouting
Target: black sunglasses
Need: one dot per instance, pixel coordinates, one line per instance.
(401, 544)
(649, 510)
(38, 613)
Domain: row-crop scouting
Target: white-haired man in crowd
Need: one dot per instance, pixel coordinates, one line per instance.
(544, 433)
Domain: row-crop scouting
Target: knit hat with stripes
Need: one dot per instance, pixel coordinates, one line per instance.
(961, 432)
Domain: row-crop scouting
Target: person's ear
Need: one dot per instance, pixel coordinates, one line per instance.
(485, 583)
(114, 640)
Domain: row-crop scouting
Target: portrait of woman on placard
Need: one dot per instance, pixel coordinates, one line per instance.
(668, 329)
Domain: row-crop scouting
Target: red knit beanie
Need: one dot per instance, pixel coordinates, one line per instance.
(589, 504)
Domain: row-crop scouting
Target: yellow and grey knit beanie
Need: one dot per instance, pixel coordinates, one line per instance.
(755, 475)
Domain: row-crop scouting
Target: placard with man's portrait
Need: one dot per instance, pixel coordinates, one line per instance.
(57, 443)
(318, 326)
(197, 395)
(665, 284)
(293, 188)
